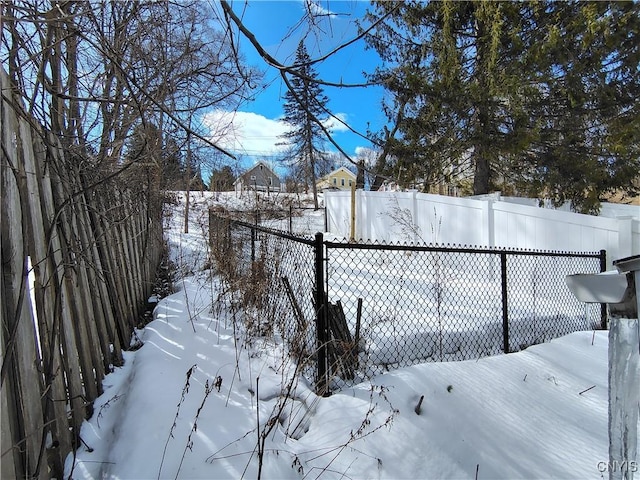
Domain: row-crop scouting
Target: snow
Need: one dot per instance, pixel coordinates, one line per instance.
(538, 413)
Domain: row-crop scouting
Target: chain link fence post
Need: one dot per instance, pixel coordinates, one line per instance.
(505, 307)
(603, 306)
(253, 246)
(322, 386)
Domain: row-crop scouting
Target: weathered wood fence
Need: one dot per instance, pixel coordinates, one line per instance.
(91, 247)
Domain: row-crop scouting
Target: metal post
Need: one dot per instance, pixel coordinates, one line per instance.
(352, 236)
(253, 246)
(290, 218)
(321, 322)
(505, 309)
(326, 219)
(624, 388)
(603, 306)
(624, 377)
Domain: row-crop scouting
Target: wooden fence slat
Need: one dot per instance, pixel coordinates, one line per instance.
(108, 287)
(45, 287)
(111, 254)
(10, 456)
(120, 263)
(136, 254)
(10, 461)
(19, 322)
(86, 315)
(103, 281)
(135, 250)
(125, 262)
(130, 241)
(102, 331)
(75, 289)
(70, 358)
(86, 319)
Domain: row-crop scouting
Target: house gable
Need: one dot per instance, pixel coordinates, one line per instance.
(341, 178)
(259, 177)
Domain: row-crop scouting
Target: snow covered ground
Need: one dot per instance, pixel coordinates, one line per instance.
(201, 400)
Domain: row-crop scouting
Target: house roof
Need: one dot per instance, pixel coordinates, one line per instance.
(269, 171)
(340, 170)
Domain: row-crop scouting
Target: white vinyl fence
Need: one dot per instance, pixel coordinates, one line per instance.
(412, 217)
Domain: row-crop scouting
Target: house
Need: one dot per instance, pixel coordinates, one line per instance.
(260, 178)
(340, 179)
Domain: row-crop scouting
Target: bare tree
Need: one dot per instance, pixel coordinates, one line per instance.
(90, 72)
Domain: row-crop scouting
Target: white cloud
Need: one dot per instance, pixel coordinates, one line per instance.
(334, 125)
(253, 134)
(245, 132)
(314, 8)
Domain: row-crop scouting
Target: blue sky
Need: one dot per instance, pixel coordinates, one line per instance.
(279, 26)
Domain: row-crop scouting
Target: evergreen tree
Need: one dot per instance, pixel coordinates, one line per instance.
(222, 180)
(525, 94)
(172, 166)
(146, 150)
(303, 109)
(587, 141)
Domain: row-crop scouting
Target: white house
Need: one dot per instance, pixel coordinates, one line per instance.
(340, 179)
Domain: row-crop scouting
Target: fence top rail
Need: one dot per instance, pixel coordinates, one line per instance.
(459, 249)
(270, 231)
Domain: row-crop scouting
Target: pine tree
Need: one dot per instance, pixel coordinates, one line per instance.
(453, 70)
(222, 179)
(588, 137)
(146, 150)
(538, 96)
(172, 166)
(303, 109)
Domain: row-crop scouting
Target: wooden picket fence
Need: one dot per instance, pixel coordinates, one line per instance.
(91, 245)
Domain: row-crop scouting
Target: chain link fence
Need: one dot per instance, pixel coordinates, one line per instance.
(388, 306)
(413, 304)
(270, 275)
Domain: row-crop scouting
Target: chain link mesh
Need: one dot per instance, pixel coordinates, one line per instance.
(389, 306)
(272, 274)
(422, 304)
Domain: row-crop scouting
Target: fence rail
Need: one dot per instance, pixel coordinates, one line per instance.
(364, 308)
(422, 217)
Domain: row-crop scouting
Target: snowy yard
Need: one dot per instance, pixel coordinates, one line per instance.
(201, 400)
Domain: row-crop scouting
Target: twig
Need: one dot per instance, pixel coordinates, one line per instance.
(189, 445)
(185, 390)
(260, 443)
(586, 390)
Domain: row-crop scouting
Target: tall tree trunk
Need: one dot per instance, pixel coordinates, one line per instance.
(482, 173)
(483, 136)
(188, 175)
